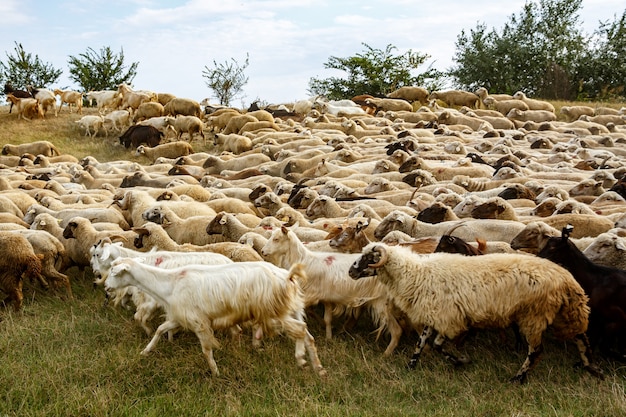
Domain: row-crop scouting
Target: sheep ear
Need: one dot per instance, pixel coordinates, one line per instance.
(620, 246)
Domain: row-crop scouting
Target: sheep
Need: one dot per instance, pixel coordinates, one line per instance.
(152, 235)
(94, 214)
(505, 106)
(572, 113)
(105, 252)
(105, 99)
(455, 98)
(71, 98)
(234, 143)
(132, 99)
(501, 230)
(607, 249)
(52, 255)
(26, 108)
(182, 106)
(229, 227)
(182, 230)
(605, 286)
(482, 93)
(188, 124)
(328, 283)
(532, 103)
(18, 261)
(389, 104)
(42, 147)
(538, 116)
(165, 150)
(410, 94)
(452, 118)
(534, 236)
(148, 110)
(450, 293)
(276, 302)
(215, 165)
(46, 98)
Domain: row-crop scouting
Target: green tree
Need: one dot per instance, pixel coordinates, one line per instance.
(22, 69)
(536, 51)
(375, 72)
(226, 79)
(104, 70)
(602, 70)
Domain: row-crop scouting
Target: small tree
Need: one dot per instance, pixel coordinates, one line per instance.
(22, 69)
(226, 79)
(375, 72)
(101, 71)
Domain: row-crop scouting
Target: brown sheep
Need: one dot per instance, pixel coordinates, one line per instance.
(455, 98)
(19, 260)
(411, 94)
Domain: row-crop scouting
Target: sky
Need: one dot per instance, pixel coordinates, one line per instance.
(288, 41)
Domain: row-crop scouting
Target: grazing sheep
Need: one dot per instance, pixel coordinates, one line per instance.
(183, 106)
(451, 293)
(505, 106)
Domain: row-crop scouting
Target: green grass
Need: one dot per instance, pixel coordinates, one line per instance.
(79, 358)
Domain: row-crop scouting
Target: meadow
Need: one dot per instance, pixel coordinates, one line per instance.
(80, 357)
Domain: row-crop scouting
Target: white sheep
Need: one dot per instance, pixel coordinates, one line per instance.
(202, 298)
(328, 283)
(451, 293)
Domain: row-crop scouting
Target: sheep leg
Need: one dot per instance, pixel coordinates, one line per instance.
(164, 327)
(426, 333)
(208, 342)
(395, 331)
(582, 343)
(456, 360)
(532, 359)
(328, 320)
(309, 343)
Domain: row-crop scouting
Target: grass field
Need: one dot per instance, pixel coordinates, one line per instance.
(81, 358)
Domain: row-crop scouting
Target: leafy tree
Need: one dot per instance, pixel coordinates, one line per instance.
(375, 72)
(602, 70)
(536, 51)
(226, 79)
(22, 69)
(102, 70)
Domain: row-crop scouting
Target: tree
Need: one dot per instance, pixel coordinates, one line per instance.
(537, 51)
(226, 79)
(101, 71)
(602, 71)
(375, 72)
(22, 69)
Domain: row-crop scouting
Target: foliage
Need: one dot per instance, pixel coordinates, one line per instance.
(536, 52)
(22, 69)
(102, 70)
(375, 72)
(226, 79)
(602, 71)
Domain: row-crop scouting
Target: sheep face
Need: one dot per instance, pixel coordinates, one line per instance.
(372, 258)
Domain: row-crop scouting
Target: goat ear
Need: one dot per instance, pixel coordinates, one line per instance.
(284, 229)
(620, 246)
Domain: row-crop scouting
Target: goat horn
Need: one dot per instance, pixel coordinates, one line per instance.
(384, 256)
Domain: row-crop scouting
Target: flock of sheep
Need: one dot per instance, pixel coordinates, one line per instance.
(336, 203)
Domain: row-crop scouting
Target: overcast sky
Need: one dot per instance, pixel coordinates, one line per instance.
(288, 41)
